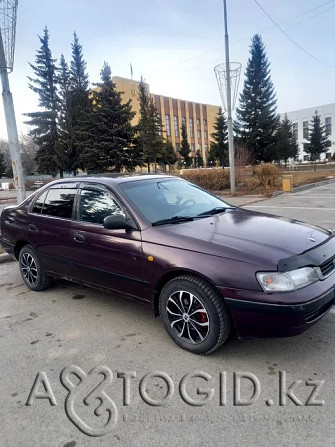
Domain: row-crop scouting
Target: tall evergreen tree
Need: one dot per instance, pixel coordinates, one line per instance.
(199, 161)
(318, 141)
(256, 115)
(286, 145)
(65, 110)
(218, 153)
(44, 122)
(3, 165)
(185, 147)
(167, 155)
(80, 104)
(149, 140)
(109, 137)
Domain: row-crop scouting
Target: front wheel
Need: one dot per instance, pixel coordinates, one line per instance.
(194, 314)
(31, 270)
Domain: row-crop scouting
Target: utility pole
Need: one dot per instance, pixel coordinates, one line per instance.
(229, 108)
(8, 10)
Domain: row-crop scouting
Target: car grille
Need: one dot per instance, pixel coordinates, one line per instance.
(328, 267)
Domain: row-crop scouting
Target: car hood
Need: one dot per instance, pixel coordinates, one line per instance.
(243, 235)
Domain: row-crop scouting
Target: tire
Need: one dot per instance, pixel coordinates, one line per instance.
(31, 270)
(194, 314)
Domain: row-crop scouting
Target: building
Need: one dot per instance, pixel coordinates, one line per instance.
(199, 118)
(301, 120)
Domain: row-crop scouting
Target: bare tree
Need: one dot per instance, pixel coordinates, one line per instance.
(243, 157)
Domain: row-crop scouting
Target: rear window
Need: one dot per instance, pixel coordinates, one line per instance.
(59, 202)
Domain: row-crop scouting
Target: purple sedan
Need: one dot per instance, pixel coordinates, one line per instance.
(207, 268)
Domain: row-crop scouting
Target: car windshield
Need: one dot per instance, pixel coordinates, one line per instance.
(171, 199)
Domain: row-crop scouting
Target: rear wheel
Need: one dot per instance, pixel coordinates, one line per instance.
(31, 270)
(194, 314)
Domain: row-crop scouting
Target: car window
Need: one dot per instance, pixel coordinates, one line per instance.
(94, 205)
(59, 202)
(38, 205)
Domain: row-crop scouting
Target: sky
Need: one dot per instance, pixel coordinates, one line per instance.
(175, 44)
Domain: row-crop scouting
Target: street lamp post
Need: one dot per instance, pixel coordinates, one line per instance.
(229, 108)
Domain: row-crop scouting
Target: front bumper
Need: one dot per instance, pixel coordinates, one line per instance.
(254, 318)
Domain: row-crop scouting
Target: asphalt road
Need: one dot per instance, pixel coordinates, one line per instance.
(70, 325)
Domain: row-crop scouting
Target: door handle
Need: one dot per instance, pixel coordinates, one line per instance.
(32, 228)
(78, 238)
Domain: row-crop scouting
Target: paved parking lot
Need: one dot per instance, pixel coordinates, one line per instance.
(315, 206)
(70, 325)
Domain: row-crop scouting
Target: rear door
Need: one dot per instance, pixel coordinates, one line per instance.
(49, 227)
(107, 258)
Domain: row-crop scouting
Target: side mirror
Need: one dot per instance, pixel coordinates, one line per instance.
(118, 222)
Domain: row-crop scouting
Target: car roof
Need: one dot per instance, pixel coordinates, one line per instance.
(113, 179)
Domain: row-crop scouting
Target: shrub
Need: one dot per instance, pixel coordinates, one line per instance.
(266, 174)
(212, 179)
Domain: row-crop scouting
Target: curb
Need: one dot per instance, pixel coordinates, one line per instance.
(304, 187)
(5, 257)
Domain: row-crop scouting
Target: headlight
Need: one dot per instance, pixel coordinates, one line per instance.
(287, 281)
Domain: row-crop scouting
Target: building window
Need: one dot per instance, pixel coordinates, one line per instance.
(159, 123)
(199, 147)
(191, 128)
(205, 134)
(205, 123)
(167, 125)
(177, 147)
(206, 149)
(305, 130)
(199, 134)
(328, 123)
(306, 157)
(198, 122)
(295, 130)
(176, 126)
(192, 147)
(183, 120)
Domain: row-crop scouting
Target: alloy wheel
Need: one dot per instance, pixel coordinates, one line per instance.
(187, 316)
(29, 268)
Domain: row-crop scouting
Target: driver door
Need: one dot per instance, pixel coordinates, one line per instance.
(104, 257)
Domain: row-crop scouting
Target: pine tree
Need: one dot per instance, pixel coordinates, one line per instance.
(218, 153)
(64, 115)
(44, 122)
(109, 139)
(80, 105)
(256, 115)
(199, 161)
(168, 155)
(185, 147)
(149, 140)
(286, 145)
(3, 165)
(318, 141)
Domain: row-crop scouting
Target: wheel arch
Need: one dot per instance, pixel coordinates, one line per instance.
(18, 247)
(168, 277)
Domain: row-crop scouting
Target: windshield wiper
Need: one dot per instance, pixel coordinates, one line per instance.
(173, 220)
(216, 210)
